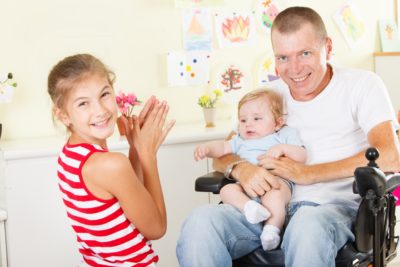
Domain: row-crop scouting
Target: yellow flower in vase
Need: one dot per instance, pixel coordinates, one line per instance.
(208, 103)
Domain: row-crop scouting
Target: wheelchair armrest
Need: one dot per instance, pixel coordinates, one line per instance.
(367, 178)
(393, 181)
(211, 182)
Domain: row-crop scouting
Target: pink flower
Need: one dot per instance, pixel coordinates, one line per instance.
(126, 102)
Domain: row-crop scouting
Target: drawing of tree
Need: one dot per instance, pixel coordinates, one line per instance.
(231, 79)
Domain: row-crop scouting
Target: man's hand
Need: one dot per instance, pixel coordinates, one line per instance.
(285, 168)
(256, 181)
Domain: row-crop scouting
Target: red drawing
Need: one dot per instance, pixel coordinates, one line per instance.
(236, 29)
(231, 79)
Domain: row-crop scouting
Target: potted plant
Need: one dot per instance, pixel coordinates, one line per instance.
(208, 103)
(125, 102)
(6, 90)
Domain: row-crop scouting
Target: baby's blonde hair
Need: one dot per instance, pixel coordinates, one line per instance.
(275, 100)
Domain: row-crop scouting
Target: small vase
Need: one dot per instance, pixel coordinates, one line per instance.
(121, 127)
(209, 116)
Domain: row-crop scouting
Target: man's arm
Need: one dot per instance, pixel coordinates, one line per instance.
(382, 137)
(255, 180)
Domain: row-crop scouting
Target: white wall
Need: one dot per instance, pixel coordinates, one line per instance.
(132, 37)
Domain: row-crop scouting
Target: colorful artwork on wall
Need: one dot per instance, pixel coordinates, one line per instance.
(266, 71)
(188, 68)
(197, 32)
(234, 29)
(389, 35)
(197, 3)
(266, 11)
(233, 80)
(350, 23)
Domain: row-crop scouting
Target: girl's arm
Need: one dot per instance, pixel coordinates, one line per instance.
(133, 155)
(109, 175)
(113, 175)
(135, 162)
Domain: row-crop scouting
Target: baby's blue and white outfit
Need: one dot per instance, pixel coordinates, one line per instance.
(250, 149)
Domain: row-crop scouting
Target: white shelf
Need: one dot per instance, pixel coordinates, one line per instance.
(50, 146)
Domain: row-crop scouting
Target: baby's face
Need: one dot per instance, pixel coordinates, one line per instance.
(256, 119)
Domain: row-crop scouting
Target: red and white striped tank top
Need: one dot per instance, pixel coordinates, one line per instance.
(105, 236)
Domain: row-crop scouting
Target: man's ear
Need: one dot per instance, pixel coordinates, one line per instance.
(329, 47)
(279, 123)
(61, 116)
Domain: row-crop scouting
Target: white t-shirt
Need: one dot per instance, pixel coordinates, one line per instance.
(334, 125)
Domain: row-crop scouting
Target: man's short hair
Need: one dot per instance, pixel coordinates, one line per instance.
(293, 18)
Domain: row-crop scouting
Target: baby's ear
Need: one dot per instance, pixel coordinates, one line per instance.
(61, 116)
(279, 123)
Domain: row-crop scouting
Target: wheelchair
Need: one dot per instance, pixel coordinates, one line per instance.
(375, 241)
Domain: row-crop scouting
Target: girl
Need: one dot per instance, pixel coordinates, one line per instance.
(115, 204)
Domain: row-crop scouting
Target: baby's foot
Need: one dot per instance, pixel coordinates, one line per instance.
(255, 212)
(270, 237)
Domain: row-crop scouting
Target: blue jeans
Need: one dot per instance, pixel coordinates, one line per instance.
(213, 235)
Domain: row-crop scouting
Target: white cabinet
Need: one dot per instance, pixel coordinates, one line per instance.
(387, 65)
(37, 230)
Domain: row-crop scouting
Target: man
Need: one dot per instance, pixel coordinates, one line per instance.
(339, 114)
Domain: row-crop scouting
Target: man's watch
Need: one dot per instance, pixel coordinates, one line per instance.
(229, 169)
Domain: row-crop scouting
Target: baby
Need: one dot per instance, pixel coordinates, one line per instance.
(262, 130)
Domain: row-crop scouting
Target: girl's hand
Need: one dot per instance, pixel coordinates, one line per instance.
(150, 131)
(148, 106)
(143, 115)
(128, 121)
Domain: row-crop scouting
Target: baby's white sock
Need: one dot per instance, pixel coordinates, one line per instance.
(270, 237)
(255, 212)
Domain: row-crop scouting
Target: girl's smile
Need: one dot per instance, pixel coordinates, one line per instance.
(91, 111)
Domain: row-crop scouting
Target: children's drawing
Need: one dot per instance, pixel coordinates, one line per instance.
(233, 80)
(197, 3)
(266, 12)
(230, 79)
(188, 68)
(350, 24)
(389, 36)
(197, 29)
(234, 29)
(266, 71)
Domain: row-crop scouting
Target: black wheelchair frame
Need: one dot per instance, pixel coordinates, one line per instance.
(374, 227)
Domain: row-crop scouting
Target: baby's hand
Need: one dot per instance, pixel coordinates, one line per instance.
(275, 152)
(200, 152)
